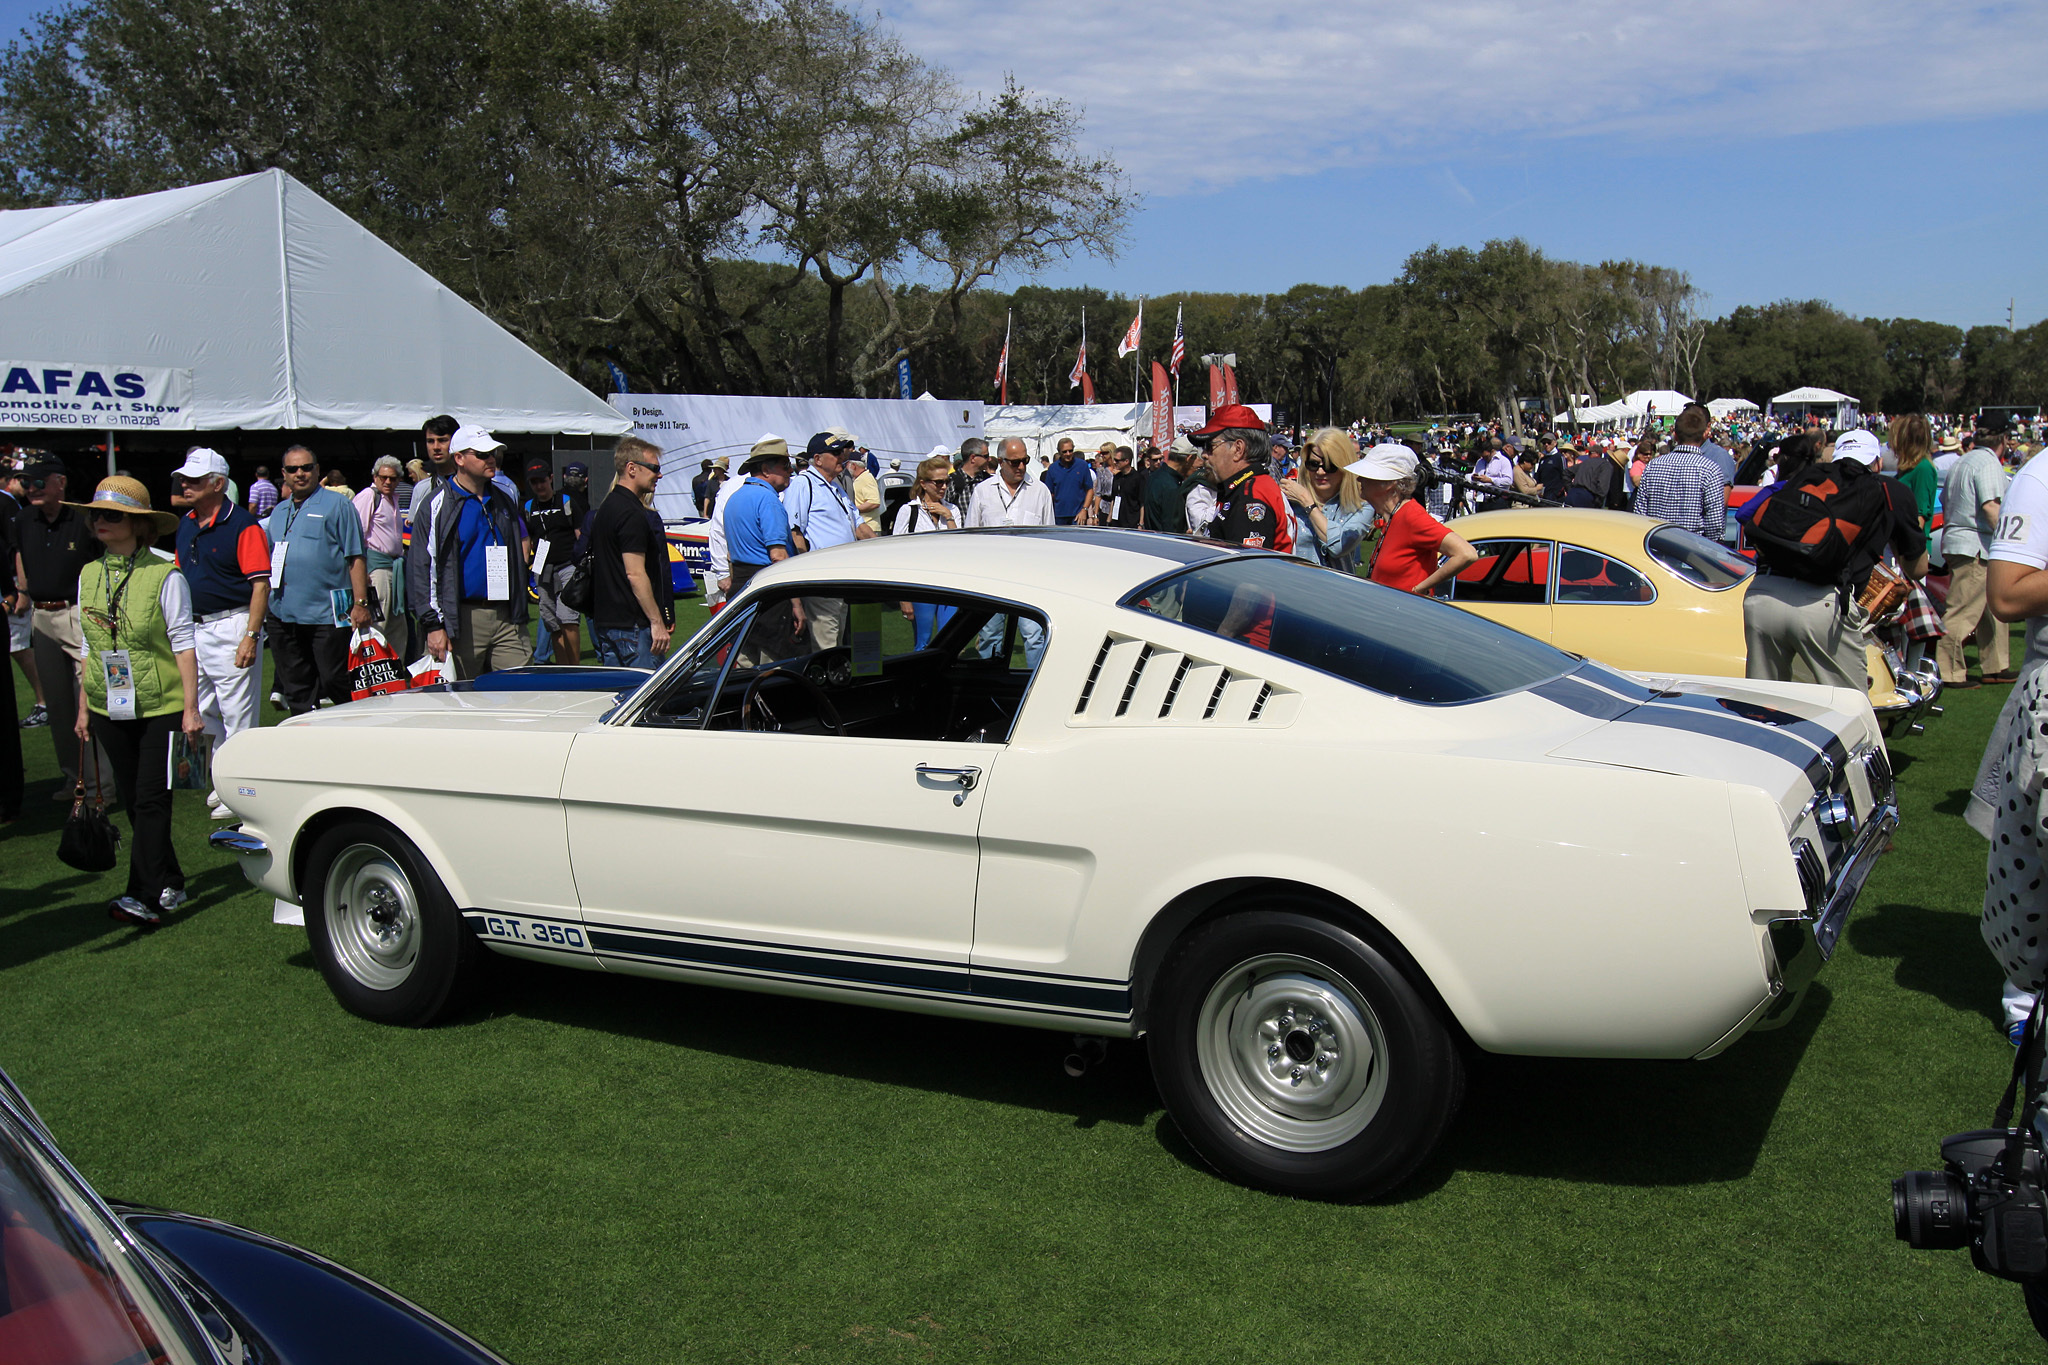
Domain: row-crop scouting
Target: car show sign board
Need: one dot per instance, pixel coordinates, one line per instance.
(91, 394)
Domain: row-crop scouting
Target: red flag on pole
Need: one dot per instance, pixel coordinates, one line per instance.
(1216, 389)
(1079, 374)
(1229, 385)
(1130, 341)
(1003, 363)
(1162, 408)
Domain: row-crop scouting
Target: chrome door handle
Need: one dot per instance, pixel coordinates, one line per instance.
(966, 777)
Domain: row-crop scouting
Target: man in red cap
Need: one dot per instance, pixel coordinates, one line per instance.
(1250, 508)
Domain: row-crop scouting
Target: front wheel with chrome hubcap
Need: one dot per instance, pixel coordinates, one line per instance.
(386, 935)
(1297, 1056)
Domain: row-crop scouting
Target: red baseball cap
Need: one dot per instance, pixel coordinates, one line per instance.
(1235, 417)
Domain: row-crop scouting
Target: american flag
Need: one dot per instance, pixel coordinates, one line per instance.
(1180, 344)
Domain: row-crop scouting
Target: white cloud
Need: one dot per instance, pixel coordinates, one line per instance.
(1206, 93)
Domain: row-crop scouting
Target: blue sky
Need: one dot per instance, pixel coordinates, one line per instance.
(1890, 156)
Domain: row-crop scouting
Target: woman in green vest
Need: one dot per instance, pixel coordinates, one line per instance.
(139, 684)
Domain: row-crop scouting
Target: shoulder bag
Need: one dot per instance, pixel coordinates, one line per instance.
(89, 842)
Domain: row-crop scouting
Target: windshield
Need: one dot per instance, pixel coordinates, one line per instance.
(1697, 559)
(1393, 642)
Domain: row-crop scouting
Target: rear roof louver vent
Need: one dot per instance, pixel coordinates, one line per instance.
(1140, 682)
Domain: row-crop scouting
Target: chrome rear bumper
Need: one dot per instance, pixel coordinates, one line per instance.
(235, 841)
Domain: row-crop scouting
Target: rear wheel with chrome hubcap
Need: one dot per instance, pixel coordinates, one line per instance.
(1295, 1055)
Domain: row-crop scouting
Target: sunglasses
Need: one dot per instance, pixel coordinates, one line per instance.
(1024, 461)
(42, 480)
(102, 515)
(1316, 465)
(644, 465)
(300, 468)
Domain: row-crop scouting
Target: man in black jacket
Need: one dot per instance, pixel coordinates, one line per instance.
(470, 597)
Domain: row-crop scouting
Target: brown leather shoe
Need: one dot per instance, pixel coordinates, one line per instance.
(2004, 677)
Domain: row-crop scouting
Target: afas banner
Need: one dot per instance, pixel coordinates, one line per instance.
(72, 393)
(1162, 407)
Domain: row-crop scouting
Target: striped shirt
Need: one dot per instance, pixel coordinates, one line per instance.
(1685, 487)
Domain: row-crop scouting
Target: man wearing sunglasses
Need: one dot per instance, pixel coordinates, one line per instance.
(317, 569)
(225, 558)
(632, 603)
(52, 543)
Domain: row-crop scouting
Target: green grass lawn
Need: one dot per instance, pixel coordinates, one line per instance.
(600, 1168)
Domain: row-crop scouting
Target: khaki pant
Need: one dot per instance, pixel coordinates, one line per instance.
(488, 639)
(1790, 624)
(60, 654)
(1969, 618)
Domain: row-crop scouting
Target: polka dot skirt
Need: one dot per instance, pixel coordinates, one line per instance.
(2015, 877)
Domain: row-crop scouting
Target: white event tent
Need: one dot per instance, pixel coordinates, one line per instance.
(1837, 409)
(1667, 402)
(251, 303)
(1721, 408)
(694, 427)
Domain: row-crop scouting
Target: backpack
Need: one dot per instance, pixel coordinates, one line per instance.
(1820, 526)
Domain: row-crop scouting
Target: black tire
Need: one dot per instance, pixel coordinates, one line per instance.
(2037, 1308)
(383, 929)
(1297, 1057)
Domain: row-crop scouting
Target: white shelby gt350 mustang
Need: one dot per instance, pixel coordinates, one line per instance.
(1310, 837)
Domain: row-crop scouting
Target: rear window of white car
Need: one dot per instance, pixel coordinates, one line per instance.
(1393, 642)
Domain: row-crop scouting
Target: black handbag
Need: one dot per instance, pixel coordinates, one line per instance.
(577, 589)
(89, 842)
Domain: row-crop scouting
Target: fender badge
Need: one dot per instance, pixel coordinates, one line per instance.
(245, 791)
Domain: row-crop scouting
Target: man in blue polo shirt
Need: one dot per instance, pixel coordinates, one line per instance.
(1070, 480)
(821, 515)
(225, 557)
(757, 534)
(316, 552)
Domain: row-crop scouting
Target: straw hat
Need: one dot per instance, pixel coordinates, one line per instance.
(118, 492)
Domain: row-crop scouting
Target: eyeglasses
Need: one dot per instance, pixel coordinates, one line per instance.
(102, 515)
(1024, 461)
(41, 480)
(187, 481)
(644, 465)
(1316, 464)
(300, 468)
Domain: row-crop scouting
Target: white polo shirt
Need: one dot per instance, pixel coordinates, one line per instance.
(993, 504)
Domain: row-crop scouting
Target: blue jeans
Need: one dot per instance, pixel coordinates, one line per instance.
(1029, 633)
(929, 620)
(624, 646)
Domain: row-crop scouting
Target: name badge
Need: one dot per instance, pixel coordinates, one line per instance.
(277, 553)
(540, 558)
(498, 573)
(120, 678)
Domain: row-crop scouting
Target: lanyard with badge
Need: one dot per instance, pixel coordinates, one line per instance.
(497, 554)
(291, 514)
(114, 663)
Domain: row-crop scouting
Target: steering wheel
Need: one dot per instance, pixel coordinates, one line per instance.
(751, 699)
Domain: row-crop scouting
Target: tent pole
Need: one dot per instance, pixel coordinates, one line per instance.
(110, 450)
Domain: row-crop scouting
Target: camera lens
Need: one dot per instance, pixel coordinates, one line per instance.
(1931, 1210)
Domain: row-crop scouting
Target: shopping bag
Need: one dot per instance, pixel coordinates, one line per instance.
(427, 671)
(373, 665)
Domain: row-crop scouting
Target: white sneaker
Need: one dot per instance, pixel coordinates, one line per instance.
(219, 811)
(171, 897)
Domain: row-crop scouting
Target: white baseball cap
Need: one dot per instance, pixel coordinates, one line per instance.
(474, 439)
(200, 462)
(1388, 460)
(1858, 445)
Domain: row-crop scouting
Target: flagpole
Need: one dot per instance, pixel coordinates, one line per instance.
(1006, 358)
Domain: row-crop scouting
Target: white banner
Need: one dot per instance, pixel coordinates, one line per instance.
(71, 393)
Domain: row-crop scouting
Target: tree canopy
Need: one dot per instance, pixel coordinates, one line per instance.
(775, 196)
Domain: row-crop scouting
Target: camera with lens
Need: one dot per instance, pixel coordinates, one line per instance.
(1991, 1194)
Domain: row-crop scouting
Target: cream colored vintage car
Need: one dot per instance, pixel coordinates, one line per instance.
(1311, 838)
(1643, 595)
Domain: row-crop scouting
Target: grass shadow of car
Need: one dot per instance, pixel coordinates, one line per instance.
(1940, 953)
(965, 1057)
(1626, 1122)
(1569, 1119)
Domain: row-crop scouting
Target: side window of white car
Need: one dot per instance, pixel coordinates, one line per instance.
(861, 661)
